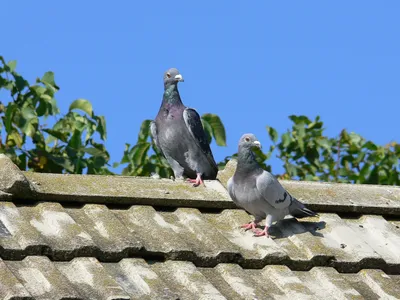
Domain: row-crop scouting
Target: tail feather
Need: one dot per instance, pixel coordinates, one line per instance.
(298, 210)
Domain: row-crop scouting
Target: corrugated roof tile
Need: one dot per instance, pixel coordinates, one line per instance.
(133, 278)
(110, 237)
(385, 286)
(106, 230)
(241, 283)
(41, 278)
(91, 280)
(204, 238)
(19, 237)
(288, 282)
(343, 242)
(138, 279)
(58, 229)
(156, 234)
(228, 224)
(186, 280)
(328, 282)
(379, 234)
(10, 286)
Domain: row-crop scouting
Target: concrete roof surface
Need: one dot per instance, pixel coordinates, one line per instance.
(36, 277)
(114, 237)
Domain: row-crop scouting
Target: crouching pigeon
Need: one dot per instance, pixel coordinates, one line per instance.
(259, 192)
(178, 133)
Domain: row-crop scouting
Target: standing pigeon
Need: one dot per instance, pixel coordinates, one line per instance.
(178, 133)
(259, 192)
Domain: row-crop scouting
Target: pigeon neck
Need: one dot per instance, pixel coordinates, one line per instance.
(246, 162)
(171, 95)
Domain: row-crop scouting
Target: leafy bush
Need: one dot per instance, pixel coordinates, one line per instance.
(308, 154)
(68, 146)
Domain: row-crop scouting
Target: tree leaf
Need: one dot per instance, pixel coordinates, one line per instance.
(48, 78)
(29, 127)
(45, 97)
(95, 152)
(22, 161)
(125, 158)
(260, 156)
(140, 153)
(370, 146)
(207, 130)
(301, 132)
(218, 129)
(101, 127)
(14, 139)
(12, 65)
(28, 113)
(316, 124)
(291, 170)
(10, 111)
(75, 142)
(299, 119)
(286, 139)
(64, 162)
(273, 134)
(98, 162)
(83, 105)
(324, 143)
(39, 90)
(144, 131)
(63, 136)
(355, 138)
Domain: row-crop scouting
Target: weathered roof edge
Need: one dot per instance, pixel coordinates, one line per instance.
(323, 197)
(13, 181)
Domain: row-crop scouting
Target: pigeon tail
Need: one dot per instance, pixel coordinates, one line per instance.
(298, 210)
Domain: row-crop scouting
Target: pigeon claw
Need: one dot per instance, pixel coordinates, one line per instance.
(262, 232)
(196, 182)
(251, 225)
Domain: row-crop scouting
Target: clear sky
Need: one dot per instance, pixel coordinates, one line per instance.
(253, 63)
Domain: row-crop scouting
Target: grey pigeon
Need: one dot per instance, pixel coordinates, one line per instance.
(259, 192)
(178, 133)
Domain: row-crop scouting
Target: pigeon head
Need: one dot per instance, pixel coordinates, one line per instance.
(172, 76)
(249, 141)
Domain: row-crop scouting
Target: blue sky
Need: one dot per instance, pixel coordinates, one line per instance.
(252, 63)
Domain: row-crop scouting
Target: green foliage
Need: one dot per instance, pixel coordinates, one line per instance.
(68, 146)
(75, 141)
(214, 128)
(138, 158)
(308, 154)
(144, 159)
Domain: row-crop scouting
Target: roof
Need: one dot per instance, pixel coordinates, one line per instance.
(114, 237)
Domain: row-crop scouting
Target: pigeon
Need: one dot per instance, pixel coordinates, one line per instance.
(178, 133)
(259, 192)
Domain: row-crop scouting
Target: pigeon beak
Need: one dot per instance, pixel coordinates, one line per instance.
(179, 77)
(257, 144)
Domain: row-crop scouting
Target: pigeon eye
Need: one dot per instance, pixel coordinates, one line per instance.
(247, 139)
(168, 75)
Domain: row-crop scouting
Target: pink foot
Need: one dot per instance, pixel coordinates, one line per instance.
(251, 225)
(197, 181)
(262, 232)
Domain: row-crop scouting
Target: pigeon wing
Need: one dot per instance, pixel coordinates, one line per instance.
(272, 191)
(195, 127)
(153, 130)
